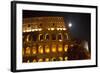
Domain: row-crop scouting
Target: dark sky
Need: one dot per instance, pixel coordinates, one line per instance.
(80, 21)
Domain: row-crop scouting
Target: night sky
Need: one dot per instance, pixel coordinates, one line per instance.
(81, 22)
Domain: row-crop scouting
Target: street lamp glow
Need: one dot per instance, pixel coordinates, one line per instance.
(70, 25)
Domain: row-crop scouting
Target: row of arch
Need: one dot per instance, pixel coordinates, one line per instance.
(47, 37)
(47, 59)
(42, 50)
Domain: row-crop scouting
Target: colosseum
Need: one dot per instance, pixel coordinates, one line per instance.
(46, 39)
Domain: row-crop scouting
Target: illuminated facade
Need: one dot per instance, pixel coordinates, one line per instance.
(45, 39)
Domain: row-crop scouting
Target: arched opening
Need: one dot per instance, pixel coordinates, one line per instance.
(47, 49)
(65, 48)
(65, 36)
(46, 59)
(34, 60)
(27, 38)
(54, 48)
(53, 36)
(47, 36)
(28, 51)
(40, 60)
(60, 37)
(34, 51)
(53, 59)
(60, 48)
(41, 37)
(61, 58)
(65, 58)
(40, 49)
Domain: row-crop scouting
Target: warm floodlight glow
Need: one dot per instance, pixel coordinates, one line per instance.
(34, 60)
(28, 50)
(39, 29)
(64, 28)
(48, 28)
(60, 48)
(66, 48)
(47, 50)
(40, 49)
(40, 60)
(47, 59)
(54, 48)
(66, 58)
(52, 28)
(70, 25)
(34, 50)
(61, 58)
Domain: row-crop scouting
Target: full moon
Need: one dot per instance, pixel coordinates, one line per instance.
(70, 25)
